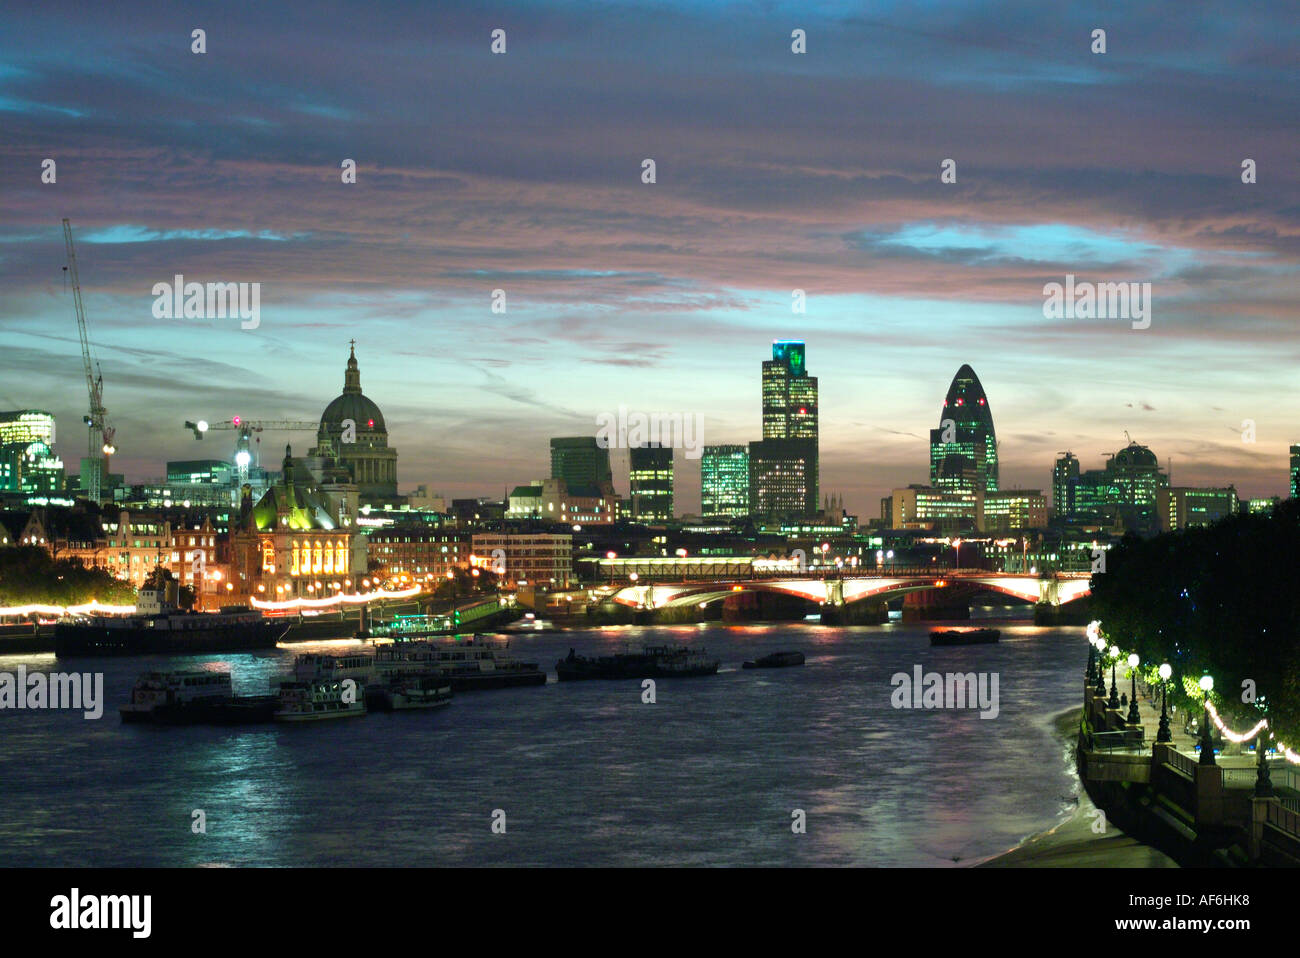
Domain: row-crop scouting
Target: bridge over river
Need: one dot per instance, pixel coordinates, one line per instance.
(651, 584)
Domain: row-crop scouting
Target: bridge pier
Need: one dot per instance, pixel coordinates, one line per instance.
(866, 612)
(941, 604)
(763, 606)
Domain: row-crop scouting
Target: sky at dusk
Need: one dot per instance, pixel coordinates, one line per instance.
(775, 171)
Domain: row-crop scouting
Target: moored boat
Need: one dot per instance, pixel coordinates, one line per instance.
(323, 687)
(653, 662)
(777, 660)
(193, 697)
(470, 663)
(964, 636)
(159, 626)
(409, 692)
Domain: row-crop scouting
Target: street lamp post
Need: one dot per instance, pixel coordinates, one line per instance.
(1133, 717)
(1263, 784)
(1207, 744)
(1163, 734)
(1090, 674)
(1100, 688)
(1113, 701)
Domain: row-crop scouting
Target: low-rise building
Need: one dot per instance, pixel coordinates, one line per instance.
(533, 559)
(1183, 507)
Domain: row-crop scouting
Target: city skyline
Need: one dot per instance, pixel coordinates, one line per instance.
(662, 297)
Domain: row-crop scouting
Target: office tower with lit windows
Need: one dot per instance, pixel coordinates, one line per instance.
(1183, 508)
(30, 467)
(724, 481)
(789, 416)
(27, 460)
(964, 449)
(581, 462)
(650, 475)
(1065, 485)
(782, 479)
(26, 426)
(1123, 492)
(1295, 471)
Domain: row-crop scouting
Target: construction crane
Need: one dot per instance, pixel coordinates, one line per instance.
(101, 433)
(246, 428)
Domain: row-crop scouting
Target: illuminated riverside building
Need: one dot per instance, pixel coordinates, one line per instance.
(724, 481)
(526, 559)
(1183, 508)
(418, 551)
(964, 449)
(128, 545)
(782, 479)
(650, 475)
(297, 541)
(582, 463)
(1295, 471)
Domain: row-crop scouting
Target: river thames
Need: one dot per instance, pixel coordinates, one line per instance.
(585, 773)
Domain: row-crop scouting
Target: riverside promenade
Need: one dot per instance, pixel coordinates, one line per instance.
(1077, 842)
(1235, 807)
(1162, 806)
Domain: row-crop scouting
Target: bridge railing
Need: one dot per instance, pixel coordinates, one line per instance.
(1129, 739)
(1284, 818)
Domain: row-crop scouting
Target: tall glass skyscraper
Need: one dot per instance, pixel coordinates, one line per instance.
(581, 462)
(26, 426)
(651, 480)
(1065, 485)
(789, 394)
(1295, 471)
(964, 449)
(788, 457)
(724, 481)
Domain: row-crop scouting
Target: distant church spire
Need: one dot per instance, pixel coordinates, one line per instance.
(352, 377)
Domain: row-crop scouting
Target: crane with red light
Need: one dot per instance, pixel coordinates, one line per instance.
(95, 474)
(244, 455)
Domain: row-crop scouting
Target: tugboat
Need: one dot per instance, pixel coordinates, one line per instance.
(427, 691)
(323, 687)
(470, 663)
(193, 697)
(777, 660)
(161, 627)
(653, 662)
(964, 636)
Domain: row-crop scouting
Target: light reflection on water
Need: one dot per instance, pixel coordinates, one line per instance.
(585, 772)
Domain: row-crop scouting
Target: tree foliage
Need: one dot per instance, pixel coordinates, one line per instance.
(1221, 599)
(28, 575)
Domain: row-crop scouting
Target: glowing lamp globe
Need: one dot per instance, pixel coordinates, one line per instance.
(1207, 683)
(1165, 672)
(1133, 661)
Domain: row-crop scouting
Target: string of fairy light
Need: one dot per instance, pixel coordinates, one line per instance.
(96, 608)
(1099, 641)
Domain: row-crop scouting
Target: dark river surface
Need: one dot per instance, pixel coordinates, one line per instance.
(585, 773)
